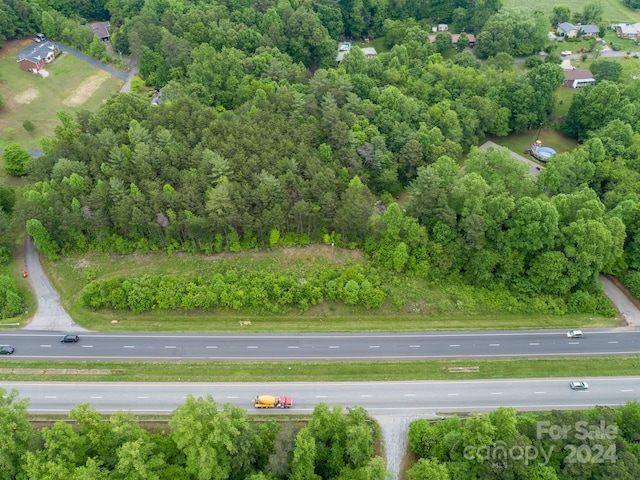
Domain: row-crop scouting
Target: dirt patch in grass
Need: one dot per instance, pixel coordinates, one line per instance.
(27, 96)
(85, 90)
(288, 256)
(14, 46)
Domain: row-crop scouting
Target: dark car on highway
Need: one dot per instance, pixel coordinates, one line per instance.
(70, 338)
(6, 350)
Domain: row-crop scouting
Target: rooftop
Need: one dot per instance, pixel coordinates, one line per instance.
(101, 29)
(37, 51)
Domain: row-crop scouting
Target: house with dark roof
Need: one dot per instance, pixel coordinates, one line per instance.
(101, 29)
(578, 77)
(35, 57)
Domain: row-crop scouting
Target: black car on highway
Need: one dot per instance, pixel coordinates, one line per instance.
(70, 338)
(6, 350)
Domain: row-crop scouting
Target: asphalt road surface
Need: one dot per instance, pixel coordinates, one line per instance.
(421, 398)
(32, 345)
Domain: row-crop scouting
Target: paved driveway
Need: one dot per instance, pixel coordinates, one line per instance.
(50, 314)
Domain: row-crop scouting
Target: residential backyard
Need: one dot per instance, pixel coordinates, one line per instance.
(614, 11)
(72, 85)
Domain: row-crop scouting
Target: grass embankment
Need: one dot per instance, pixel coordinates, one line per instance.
(426, 307)
(72, 85)
(329, 371)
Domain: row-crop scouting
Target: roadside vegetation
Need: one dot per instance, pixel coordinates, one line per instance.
(203, 440)
(416, 305)
(599, 442)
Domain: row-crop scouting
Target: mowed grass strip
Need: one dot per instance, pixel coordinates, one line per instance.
(329, 371)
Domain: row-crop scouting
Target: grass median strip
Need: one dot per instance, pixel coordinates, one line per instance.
(322, 371)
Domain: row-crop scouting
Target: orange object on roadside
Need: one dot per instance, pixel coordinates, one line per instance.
(25, 274)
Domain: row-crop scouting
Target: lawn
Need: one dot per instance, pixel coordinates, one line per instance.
(613, 10)
(72, 85)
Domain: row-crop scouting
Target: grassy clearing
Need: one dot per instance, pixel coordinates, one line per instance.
(550, 138)
(613, 10)
(72, 85)
(327, 371)
(433, 308)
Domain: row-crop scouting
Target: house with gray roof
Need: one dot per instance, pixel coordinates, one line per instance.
(590, 30)
(101, 29)
(626, 30)
(35, 57)
(568, 30)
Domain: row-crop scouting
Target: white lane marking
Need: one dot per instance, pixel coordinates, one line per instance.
(129, 346)
(366, 396)
(409, 394)
(334, 346)
(170, 346)
(45, 345)
(496, 393)
(494, 344)
(534, 344)
(233, 397)
(374, 346)
(539, 393)
(143, 398)
(87, 346)
(293, 346)
(96, 398)
(574, 343)
(414, 346)
(613, 342)
(454, 345)
(252, 346)
(321, 396)
(212, 346)
(626, 390)
(453, 394)
(50, 396)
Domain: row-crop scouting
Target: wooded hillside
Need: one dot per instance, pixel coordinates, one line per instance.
(262, 139)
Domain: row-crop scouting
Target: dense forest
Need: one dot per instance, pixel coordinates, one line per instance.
(262, 139)
(600, 442)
